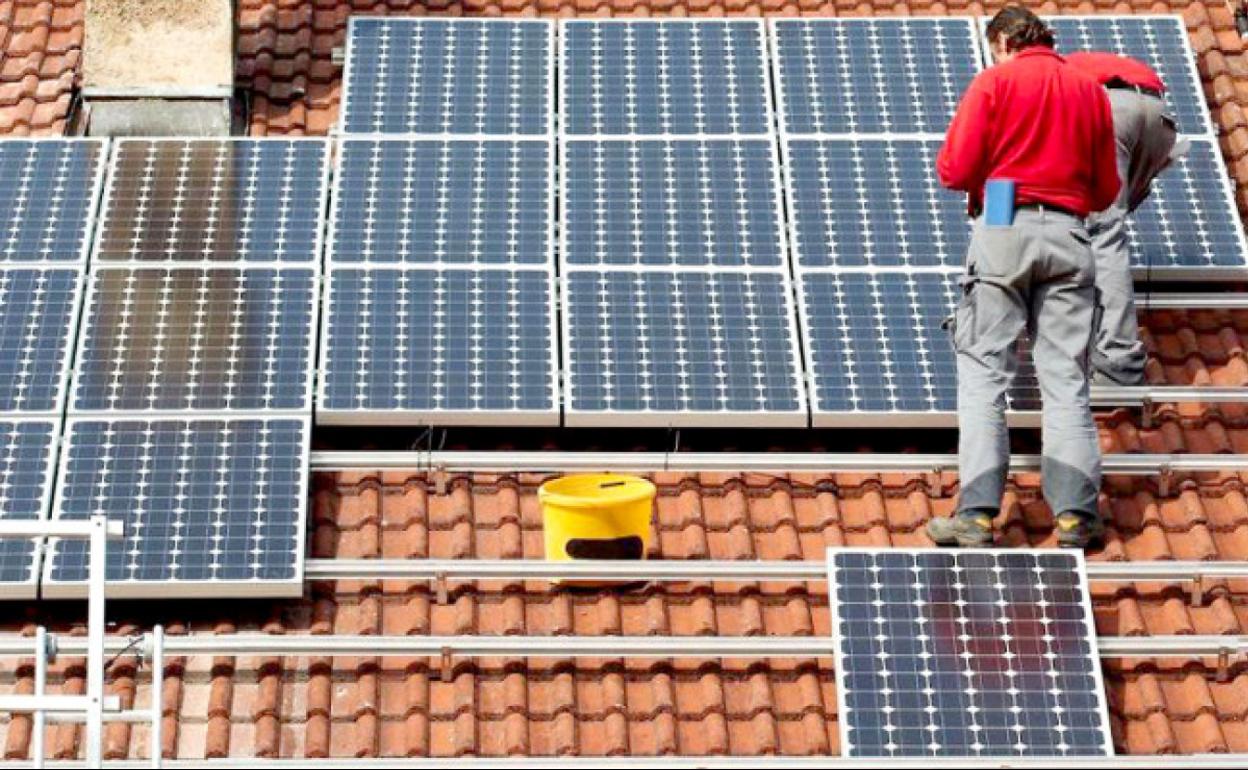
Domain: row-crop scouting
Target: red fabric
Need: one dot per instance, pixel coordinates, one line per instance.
(1107, 67)
(1039, 122)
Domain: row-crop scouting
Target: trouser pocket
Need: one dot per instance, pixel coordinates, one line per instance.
(961, 324)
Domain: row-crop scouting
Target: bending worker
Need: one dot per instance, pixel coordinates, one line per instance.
(1037, 125)
(1145, 135)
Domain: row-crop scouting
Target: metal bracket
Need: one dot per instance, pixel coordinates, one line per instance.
(447, 661)
(1198, 589)
(1164, 476)
(440, 480)
(1146, 412)
(1224, 664)
(443, 592)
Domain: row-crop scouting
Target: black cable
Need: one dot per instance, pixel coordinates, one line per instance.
(134, 640)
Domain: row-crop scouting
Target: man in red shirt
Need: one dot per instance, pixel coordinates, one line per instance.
(1146, 137)
(1045, 126)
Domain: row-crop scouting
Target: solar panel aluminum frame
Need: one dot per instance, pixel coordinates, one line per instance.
(798, 418)
(98, 181)
(183, 589)
(318, 246)
(552, 68)
(28, 589)
(773, 40)
(842, 706)
(450, 417)
(199, 267)
(770, 92)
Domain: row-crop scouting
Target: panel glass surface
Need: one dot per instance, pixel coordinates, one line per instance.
(208, 505)
(873, 203)
(680, 343)
(26, 454)
(966, 654)
(220, 200)
(672, 203)
(37, 308)
(872, 75)
(448, 344)
(665, 77)
(186, 339)
(47, 193)
(437, 202)
(875, 343)
(1160, 42)
(454, 76)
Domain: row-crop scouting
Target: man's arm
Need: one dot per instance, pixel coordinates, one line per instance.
(963, 157)
(1105, 182)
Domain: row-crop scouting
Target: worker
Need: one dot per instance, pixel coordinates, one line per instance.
(1146, 138)
(1042, 131)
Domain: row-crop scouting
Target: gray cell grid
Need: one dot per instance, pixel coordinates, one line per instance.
(48, 194)
(681, 348)
(877, 350)
(983, 653)
(449, 76)
(187, 339)
(839, 76)
(1159, 41)
(442, 346)
(686, 203)
(27, 459)
(214, 200)
(211, 507)
(433, 202)
(664, 78)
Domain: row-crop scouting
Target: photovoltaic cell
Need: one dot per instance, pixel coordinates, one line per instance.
(1159, 41)
(188, 339)
(872, 75)
(680, 348)
(26, 455)
(37, 310)
(212, 507)
(872, 203)
(444, 202)
(452, 76)
(445, 346)
(665, 77)
(219, 200)
(672, 203)
(986, 653)
(876, 348)
(47, 198)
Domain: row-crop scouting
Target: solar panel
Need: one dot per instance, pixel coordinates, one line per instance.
(1190, 225)
(1159, 41)
(38, 307)
(681, 348)
(444, 202)
(185, 339)
(872, 203)
(215, 200)
(27, 448)
(664, 77)
(211, 507)
(449, 76)
(877, 351)
(439, 346)
(872, 75)
(672, 203)
(48, 189)
(985, 653)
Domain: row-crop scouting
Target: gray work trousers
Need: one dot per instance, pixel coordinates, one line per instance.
(1036, 276)
(1146, 142)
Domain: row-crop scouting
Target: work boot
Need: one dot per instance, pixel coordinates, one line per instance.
(965, 529)
(1076, 529)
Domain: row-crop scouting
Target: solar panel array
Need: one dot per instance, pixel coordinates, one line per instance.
(192, 393)
(48, 194)
(677, 308)
(984, 653)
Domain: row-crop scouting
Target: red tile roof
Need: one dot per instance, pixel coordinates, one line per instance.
(351, 706)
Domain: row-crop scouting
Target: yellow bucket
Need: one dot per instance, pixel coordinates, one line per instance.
(596, 516)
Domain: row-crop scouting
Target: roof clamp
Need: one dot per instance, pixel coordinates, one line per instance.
(445, 673)
(440, 581)
(1146, 411)
(1165, 474)
(938, 473)
(1198, 589)
(440, 479)
(1224, 664)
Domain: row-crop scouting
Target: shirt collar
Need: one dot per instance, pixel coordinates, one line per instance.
(1038, 50)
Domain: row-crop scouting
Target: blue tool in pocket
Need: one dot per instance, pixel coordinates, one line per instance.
(999, 202)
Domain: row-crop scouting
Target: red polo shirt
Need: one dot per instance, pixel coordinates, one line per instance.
(1039, 122)
(1108, 67)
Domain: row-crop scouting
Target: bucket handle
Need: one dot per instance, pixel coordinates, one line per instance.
(609, 484)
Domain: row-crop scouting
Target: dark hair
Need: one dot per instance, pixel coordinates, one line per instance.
(1021, 28)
